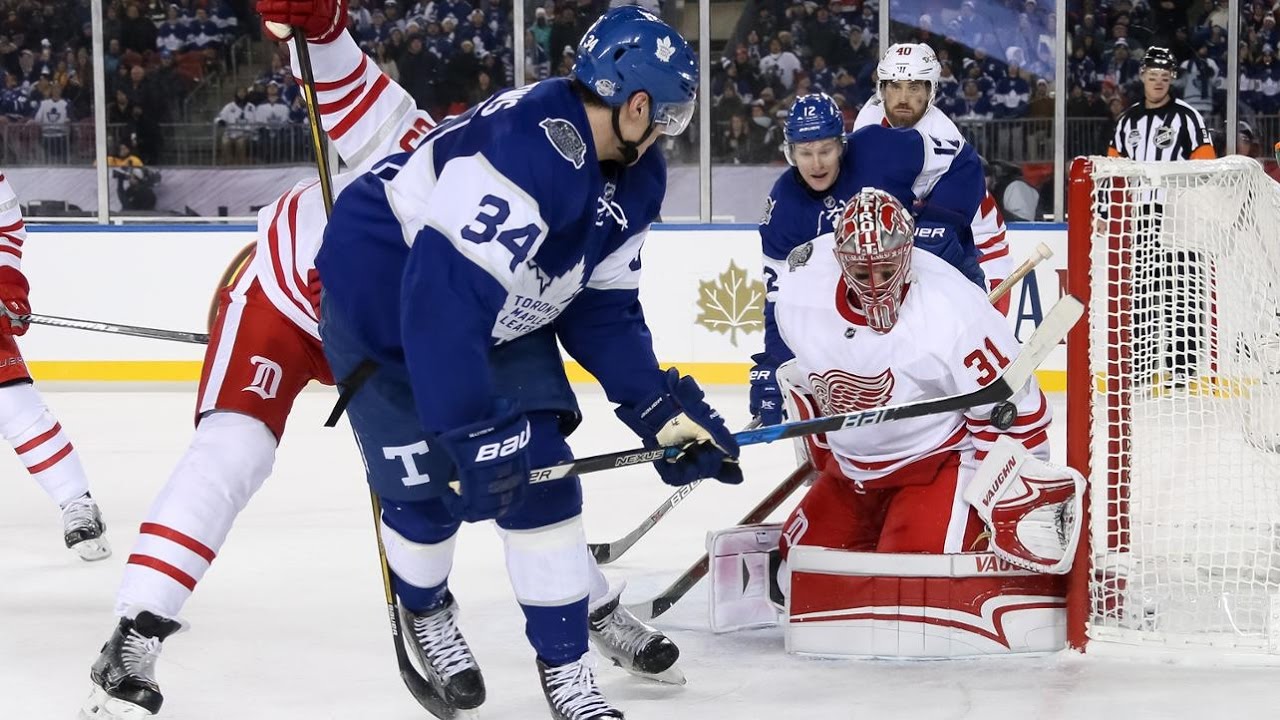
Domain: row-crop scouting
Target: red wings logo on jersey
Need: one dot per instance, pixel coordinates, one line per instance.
(841, 392)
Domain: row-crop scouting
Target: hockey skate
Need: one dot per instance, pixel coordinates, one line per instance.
(629, 643)
(82, 529)
(124, 675)
(434, 640)
(572, 693)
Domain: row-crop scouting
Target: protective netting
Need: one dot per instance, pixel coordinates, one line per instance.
(1185, 446)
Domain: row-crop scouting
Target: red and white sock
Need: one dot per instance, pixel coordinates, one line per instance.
(38, 439)
(226, 463)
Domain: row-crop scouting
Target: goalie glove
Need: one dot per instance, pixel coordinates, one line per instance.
(1033, 509)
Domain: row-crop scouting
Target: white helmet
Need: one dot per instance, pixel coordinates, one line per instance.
(909, 61)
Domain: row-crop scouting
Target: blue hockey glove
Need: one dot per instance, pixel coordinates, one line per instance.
(766, 398)
(679, 416)
(491, 465)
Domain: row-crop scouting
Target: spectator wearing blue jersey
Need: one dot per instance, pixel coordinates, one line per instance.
(172, 34)
(526, 217)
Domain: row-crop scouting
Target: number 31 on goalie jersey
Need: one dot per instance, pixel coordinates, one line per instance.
(988, 361)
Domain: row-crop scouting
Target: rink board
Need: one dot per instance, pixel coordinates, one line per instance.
(702, 296)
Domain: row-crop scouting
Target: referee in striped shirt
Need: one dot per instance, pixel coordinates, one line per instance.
(1160, 127)
(1170, 282)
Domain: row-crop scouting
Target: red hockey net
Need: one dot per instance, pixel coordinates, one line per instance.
(1173, 410)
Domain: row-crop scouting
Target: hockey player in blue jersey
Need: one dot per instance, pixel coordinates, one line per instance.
(828, 167)
(522, 217)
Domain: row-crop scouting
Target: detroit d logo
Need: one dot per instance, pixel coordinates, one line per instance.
(266, 377)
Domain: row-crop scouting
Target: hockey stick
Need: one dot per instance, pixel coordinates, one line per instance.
(1042, 253)
(650, 609)
(1052, 330)
(418, 686)
(131, 330)
(606, 553)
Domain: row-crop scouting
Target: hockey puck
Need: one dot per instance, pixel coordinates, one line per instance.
(1003, 415)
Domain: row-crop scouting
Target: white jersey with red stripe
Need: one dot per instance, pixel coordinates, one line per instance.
(13, 232)
(947, 340)
(367, 117)
(987, 224)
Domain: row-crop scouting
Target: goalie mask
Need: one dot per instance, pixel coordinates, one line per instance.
(874, 238)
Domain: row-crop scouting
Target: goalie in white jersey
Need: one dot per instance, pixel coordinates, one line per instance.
(875, 321)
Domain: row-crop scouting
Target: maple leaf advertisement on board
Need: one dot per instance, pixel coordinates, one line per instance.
(731, 303)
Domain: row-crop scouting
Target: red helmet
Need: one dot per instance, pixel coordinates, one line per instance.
(874, 238)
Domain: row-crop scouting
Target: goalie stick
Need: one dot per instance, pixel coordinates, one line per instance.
(606, 553)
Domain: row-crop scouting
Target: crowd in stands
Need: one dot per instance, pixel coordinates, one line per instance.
(997, 63)
(156, 52)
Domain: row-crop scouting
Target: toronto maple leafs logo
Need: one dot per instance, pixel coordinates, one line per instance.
(839, 392)
(565, 139)
(535, 298)
(799, 255)
(606, 207)
(768, 211)
(665, 49)
(828, 220)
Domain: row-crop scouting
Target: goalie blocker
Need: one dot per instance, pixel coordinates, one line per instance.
(1007, 600)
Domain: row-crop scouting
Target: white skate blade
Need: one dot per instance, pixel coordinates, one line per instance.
(101, 706)
(670, 676)
(94, 549)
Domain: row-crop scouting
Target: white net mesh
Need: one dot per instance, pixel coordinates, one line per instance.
(1185, 447)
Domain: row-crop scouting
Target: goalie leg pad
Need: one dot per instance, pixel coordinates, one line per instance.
(743, 581)
(1033, 509)
(887, 605)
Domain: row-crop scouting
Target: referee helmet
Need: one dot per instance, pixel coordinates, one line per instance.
(1158, 58)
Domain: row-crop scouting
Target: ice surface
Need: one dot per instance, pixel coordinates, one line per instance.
(290, 622)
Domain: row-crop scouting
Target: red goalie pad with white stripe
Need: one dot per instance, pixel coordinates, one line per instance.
(920, 606)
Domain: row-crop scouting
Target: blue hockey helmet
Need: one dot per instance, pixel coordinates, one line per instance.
(629, 50)
(812, 117)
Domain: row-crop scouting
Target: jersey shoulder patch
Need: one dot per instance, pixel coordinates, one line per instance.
(566, 140)
(799, 256)
(767, 215)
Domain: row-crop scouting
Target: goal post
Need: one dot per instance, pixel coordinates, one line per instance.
(1173, 403)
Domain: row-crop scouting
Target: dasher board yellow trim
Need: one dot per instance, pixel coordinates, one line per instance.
(189, 371)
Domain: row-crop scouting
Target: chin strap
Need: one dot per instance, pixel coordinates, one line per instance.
(630, 151)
